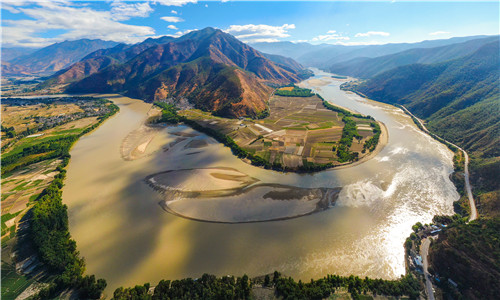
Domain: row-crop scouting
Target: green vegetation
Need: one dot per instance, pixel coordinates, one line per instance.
(12, 283)
(228, 287)
(9, 132)
(170, 113)
(372, 143)
(48, 219)
(348, 133)
(47, 148)
(287, 288)
(206, 287)
(342, 111)
(469, 254)
(457, 98)
(295, 92)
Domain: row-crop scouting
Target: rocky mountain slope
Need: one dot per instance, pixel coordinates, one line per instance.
(213, 69)
(53, 58)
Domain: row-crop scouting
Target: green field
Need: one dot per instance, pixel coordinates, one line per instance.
(13, 284)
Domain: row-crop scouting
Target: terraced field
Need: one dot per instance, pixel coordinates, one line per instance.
(297, 131)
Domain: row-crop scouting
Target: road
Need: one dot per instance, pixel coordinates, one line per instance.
(472, 204)
(424, 250)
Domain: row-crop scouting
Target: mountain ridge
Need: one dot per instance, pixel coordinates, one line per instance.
(53, 58)
(190, 67)
(448, 95)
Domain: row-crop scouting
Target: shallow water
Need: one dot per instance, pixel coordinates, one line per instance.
(127, 238)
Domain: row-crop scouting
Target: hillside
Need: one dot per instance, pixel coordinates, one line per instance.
(458, 98)
(10, 53)
(364, 67)
(470, 255)
(100, 59)
(54, 57)
(211, 68)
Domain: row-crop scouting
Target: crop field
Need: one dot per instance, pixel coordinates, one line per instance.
(21, 187)
(22, 117)
(297, 129)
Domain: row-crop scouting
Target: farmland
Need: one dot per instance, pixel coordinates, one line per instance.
(298, 131)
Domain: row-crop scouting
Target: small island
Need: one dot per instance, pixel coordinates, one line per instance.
(298, 132)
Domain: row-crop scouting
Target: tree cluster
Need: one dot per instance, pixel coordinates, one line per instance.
(295, 92)
(206, 287)
(287, 288)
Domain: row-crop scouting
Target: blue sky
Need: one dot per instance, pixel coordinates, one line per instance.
(43, 22)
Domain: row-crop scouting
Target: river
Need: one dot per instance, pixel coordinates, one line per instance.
(127, 237)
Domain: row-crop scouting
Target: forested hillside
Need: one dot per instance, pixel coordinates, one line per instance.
(458, 98)
(460, 101)
(366, 67)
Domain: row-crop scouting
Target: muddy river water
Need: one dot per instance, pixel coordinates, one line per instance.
(132, 229)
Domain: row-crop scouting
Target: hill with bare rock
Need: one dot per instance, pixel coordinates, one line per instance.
(212, 69)
(53, 58)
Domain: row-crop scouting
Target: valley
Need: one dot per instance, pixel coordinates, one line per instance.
(182, 149)
(300, 133)
(362, 215)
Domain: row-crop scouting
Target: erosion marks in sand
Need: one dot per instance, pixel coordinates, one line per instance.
(225, 195)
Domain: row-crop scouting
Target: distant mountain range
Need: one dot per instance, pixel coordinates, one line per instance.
(53, 58)
(326, 55)
(212, 69)
(364, 67)
(9, 53)
(459, 98)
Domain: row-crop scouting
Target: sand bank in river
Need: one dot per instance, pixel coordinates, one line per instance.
(135, 144)
(200, 180)
(258, 203)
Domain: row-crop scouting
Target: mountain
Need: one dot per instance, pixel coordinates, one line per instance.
(325, 55)
(288, 49)
(55, 57)
(337, 53)
(364, 67)
(288, 63)
(100, 59)
(459, 98)
(213, 69)
(9, 53)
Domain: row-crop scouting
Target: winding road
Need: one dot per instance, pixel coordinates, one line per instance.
(424, 249)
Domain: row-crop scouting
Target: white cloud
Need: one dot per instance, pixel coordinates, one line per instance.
(372, 33)
(85, 22)
(124, 11)
(172, 19)
(329, 36)
(439, 33)
(181, 33)
(173, 12)
(175, 2)
(251, 33)
(172, 27)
